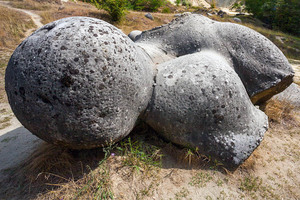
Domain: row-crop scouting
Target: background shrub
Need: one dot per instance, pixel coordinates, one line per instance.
(115, 8)
(279, 14)
(145, 5)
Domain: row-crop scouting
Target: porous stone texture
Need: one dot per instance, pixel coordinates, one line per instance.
(199, 101)
(79, 82)
(261, 66)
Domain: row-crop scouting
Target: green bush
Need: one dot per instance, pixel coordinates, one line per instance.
(145, 5)
(287, 16)
(280, 14)
(186, 3)
(115, 8)
(166, 10)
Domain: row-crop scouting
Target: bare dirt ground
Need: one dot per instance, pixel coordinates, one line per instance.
(271, 172)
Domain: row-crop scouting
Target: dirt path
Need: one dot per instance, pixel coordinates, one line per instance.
(35, 18)
(16, 142)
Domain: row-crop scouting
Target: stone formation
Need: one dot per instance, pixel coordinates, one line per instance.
(80, 82)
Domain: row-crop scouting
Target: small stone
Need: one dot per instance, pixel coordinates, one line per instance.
(238, 20)
(149, 16)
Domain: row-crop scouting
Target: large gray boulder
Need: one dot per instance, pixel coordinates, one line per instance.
(79, 82)
(262, 67)
(200, 102)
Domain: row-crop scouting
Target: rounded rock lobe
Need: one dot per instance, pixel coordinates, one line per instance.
(79, 82)
(200, 102)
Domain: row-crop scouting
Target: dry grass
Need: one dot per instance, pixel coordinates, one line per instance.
(12, 27)
(50, 168)
(133, 20)
(35, 5)
(281, 113)
(138, 21)
(70, 9)
(94, 185)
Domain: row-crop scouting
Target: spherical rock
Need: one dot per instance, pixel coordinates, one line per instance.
(262, 67)
(199, 101)
(78, 82)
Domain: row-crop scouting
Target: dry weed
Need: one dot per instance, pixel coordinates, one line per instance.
(50, 168)
(12, 27)
(35, 5)
(281, 113)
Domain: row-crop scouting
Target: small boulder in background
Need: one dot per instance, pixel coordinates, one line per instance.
(149, 16)
(237, 20)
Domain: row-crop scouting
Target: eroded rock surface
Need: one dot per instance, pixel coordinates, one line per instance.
(199, 101)
(79, 82)
(262, 67)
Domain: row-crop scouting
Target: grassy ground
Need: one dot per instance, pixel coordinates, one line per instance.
(12, 28)
(144, 166)
(133, 20)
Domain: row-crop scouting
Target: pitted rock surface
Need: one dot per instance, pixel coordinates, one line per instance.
(199, 101)
(79, 82)
(262, 67)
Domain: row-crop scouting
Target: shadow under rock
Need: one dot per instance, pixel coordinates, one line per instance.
(30, 166)
(174, 156)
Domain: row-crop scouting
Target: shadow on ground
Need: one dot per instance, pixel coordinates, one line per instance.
(31, 167)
